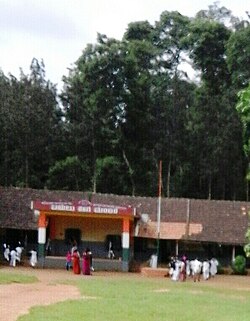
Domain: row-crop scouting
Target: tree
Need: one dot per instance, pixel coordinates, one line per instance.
(94, 105)
(243, 108)
(208, 41)
(238, 56)
(7, 134)
(30, 117)
(171, 93)
(68, 174)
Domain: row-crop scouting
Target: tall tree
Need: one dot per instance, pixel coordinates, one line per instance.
(94, 106)
(171, 92)
(214, 104)
(30, 116)
(238, 56)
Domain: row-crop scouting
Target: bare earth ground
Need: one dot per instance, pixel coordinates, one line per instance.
(16, 299)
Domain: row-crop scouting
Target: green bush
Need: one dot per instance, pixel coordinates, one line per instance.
(239, 265)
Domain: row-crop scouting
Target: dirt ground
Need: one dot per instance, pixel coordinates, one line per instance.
(17, 299)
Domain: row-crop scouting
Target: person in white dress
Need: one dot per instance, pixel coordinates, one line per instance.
(13, 258)
(33, 258)
(197, 265)
(188, 268)
(177, 269)
(19, 250)
(6, 252)
(213, 266)
(205, 269)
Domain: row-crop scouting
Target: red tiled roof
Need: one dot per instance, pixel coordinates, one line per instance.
(197, 220)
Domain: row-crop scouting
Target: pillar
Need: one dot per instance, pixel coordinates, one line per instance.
(41, 235)
(125, 245)
(233, 253)
(176, 248)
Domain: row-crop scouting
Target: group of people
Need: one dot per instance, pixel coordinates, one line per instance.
(14, 255)
(73, 260)
(180, 269)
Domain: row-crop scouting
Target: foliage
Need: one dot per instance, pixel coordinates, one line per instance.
(127, 104)
(67, 174)
(243, 108)
(239, 265)
(247, 246)
(238, 49)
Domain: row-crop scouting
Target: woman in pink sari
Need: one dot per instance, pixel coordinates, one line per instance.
(86, 262)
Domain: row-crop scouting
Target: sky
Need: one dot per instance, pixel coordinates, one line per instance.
(57, 31)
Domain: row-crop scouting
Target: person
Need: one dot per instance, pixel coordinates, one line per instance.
(197, 265)
(176, 272)
(213, 266)
(91, 261)
(171, 266)
(76, 262)
(48, 247)
(111, 254)
(19, 250)
(188, 268)
(6, 252)
(33, 258)
(205, 269)
(86, 262)
(74, 247)
(13, 257)
(183, 274)
(68, 261)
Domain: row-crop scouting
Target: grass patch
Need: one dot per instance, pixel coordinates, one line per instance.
(130, 298)
(7, 278)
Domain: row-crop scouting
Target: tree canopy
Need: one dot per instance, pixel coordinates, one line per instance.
(166, 91)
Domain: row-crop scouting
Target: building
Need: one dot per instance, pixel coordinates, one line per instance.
(50, 220)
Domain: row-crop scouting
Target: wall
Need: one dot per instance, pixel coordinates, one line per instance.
(92, 229)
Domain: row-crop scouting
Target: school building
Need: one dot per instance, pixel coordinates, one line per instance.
(49, 221)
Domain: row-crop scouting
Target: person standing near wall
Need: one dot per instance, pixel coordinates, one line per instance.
(19, 250)
(33, 258)
(111, 254)
(76, 262)
(13, 258)
(74, 247)
(6, 252)
(86, 262)
(68, 261)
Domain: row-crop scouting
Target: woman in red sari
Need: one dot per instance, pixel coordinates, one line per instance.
(76, 262)
(86, 262)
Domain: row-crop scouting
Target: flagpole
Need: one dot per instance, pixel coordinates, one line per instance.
(159, 209)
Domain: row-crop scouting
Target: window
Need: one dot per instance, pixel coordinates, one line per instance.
(71, 235)
(115, 240)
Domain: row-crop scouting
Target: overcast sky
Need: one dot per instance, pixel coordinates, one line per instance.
(57, 31)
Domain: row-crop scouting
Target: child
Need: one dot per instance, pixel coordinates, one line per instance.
(33, 258)
(68, 260)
